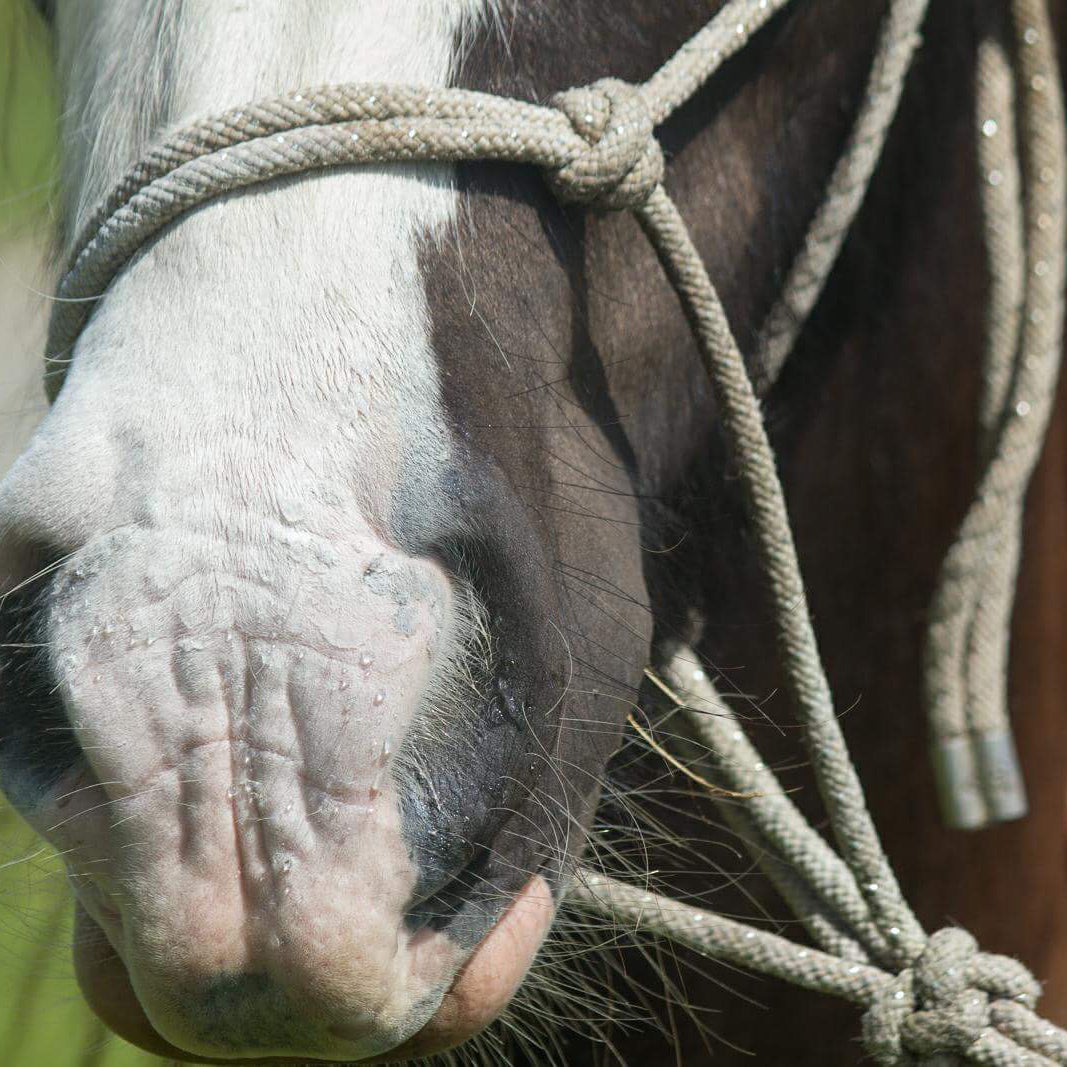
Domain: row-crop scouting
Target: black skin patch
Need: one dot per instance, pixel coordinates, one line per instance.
(240, 1013)
(546, 511)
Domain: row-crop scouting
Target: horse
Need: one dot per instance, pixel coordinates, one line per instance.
(332, 573)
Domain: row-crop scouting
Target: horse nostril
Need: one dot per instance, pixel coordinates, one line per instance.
(37, 742)
(437, 908)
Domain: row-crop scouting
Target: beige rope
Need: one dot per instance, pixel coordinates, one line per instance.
(951, 1001)
(775, 833)
(897, 41)
(926, 996)
(768, 517)
(966, 655)
(946, 997)
(695, 62)
(961, 674)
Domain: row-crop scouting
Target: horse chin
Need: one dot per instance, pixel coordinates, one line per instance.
(481, 991)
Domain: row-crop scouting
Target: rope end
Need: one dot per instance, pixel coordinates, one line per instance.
(979, 780)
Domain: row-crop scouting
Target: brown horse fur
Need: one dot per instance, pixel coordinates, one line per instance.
(593, 378)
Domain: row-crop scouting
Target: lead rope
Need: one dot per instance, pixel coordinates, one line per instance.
(967, 645)
(926, 996)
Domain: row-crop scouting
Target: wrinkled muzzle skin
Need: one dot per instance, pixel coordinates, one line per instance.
(303, 674)
(233, 814)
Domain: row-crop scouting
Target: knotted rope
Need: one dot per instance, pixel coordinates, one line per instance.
(927, 997)
(954, 1002)
(621, 163)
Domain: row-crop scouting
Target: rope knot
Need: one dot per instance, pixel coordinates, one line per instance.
(622, 162)
(935, 1010)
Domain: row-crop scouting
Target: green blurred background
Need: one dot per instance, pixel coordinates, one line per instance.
(27, 117)
(43, 1020)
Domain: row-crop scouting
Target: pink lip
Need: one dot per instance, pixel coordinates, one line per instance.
(489, 979)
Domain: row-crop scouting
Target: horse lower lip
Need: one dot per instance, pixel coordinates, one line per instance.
(436, 1035)
(486, 983)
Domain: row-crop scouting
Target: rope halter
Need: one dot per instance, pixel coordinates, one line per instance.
(926, 997)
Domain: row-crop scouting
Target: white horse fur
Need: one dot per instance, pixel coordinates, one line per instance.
(241, 644)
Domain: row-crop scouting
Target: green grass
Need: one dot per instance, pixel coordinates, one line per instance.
(43, 1020)
(27, 116)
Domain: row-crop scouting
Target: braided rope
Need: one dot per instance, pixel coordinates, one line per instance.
(897, 41)
(951, 1001)
(967, 642)
(358, 124)
(943, 997)
(925, 996)
(769, 519)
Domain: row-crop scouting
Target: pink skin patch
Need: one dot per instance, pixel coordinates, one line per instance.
(480, 992)
(244, 722)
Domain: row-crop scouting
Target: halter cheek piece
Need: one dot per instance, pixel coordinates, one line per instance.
(926, 996)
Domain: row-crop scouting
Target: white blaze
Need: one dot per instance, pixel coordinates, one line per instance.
(245, 407)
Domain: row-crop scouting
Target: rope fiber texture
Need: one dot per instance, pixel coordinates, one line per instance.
(1023, 201)
(926, 997)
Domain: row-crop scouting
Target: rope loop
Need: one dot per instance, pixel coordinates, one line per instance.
(938, 1008)
(623, 162)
